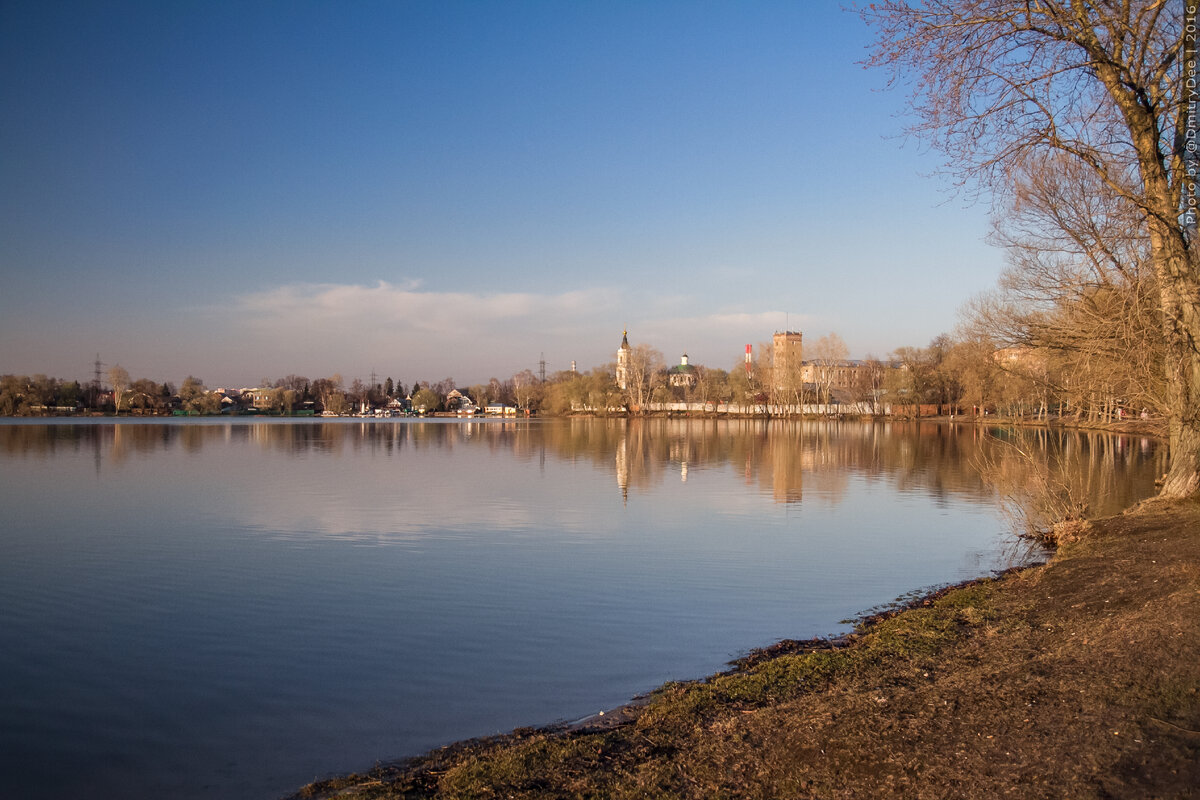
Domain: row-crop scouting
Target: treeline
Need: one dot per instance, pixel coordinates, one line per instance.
(24, 395)
(1005, 359)
(36, 395)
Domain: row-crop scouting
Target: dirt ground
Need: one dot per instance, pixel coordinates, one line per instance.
(1079, 678)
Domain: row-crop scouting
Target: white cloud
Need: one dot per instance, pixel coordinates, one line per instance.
(408, 308)
(411, 332)
(470, 335)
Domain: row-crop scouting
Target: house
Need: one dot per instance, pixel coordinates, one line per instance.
(261, 398)
(498, 409)
(457, 401)
(835, 374)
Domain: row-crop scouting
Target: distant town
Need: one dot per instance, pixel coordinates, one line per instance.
(785, 376)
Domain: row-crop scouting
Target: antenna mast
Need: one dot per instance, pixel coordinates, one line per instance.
(97, 366)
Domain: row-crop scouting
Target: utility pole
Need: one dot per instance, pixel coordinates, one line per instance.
(97, 365)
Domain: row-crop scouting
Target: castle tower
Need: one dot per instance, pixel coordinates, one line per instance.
(789, 349)
(623, 354)
(788, 358)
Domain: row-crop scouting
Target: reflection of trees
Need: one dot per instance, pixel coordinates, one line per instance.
(1045, 476)
(49, 440)
(783, 458)
(786, 457)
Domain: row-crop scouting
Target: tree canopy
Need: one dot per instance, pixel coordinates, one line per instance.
(999, 85)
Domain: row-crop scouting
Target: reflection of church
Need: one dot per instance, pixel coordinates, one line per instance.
(623, 468)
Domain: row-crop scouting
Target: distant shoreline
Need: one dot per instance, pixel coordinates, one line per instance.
(1150, 427)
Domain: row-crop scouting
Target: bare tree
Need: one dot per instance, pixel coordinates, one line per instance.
(1079, 291)
(478, 394)
(497, 392)
(358, 395)
(828, 356)
(868, 384)
(1101, 83)
(643, 376)
(526, 388)
(971, 360)
(329, 395)
(712, 387)
(762, 381)
(118, 378)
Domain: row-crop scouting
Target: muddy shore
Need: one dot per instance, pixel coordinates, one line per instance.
(1078, 678)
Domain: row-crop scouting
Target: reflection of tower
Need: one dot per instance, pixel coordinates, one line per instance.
(784, 457)
(623, 353)
(96, 446)
(623, 467)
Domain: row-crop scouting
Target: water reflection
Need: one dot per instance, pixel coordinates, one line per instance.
(211, 607)
(1042, 476)
(779, 459)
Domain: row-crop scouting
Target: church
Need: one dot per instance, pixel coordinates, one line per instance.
(623, 354)
(683, 374)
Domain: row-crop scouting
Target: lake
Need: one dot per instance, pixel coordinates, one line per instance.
(209, 608)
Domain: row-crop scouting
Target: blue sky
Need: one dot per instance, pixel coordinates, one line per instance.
(239, 190)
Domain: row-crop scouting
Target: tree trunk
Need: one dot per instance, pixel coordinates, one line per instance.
(1181, 321)
(1179, 293)
(1180, 301)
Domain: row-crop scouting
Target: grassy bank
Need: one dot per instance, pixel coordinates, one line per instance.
(1079, 678)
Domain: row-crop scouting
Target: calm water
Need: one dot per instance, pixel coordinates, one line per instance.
(204, 609)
